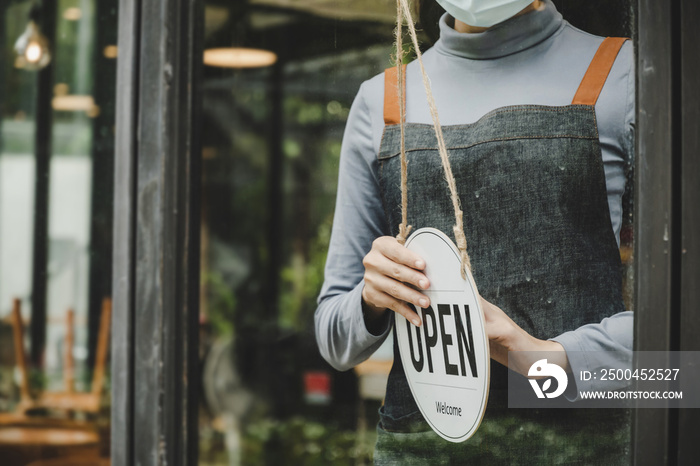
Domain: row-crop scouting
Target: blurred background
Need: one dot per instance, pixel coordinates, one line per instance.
(57, 86)
(279, 77)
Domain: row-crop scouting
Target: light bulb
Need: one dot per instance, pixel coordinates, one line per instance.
(237, 57)
(32, 49)
(33, 52)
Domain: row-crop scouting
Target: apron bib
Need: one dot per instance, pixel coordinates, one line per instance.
(532, 187)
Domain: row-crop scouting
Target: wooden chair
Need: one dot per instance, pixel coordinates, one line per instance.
(68, 400)
(25, 437)
(26, 401)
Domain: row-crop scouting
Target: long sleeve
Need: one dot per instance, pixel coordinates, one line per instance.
(585, 346)
(465, 88)
(342, 336)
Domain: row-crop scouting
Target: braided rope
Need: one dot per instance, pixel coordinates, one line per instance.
(404, 228)
(403, 9)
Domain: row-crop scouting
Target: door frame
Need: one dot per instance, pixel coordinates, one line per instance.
(156, 233)
(156, 224)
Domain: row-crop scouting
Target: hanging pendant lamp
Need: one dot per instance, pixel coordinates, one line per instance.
(32, 46)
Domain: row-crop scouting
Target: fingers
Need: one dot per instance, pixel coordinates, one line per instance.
(390, 272)
(396, 252)
(384, 266)
(396, 289)
(386, 301)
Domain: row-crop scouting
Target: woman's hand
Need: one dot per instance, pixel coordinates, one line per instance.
(389, 270)
(507, 336)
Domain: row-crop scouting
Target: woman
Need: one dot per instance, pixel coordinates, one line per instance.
(538, 154)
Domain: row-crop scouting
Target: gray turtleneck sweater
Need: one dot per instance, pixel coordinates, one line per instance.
(536, 58)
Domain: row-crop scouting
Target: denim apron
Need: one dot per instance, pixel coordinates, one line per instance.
(533, 191)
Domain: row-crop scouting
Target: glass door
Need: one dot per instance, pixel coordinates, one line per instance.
(279, 82)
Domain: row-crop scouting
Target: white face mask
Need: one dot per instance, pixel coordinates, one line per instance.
(483, 13)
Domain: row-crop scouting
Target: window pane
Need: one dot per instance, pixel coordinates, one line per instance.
(273, 134)
(65, 393)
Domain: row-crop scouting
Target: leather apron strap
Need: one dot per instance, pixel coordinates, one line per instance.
(391, 95)
(598, 71)
(587, 94)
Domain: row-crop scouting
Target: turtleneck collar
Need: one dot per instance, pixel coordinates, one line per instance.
(509, 37)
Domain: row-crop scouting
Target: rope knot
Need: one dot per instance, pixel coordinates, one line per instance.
(404, 231)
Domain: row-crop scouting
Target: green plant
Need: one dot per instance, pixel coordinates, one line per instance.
(221, 305)
(300, 441)
(301, 282)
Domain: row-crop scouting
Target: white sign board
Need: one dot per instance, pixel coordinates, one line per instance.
(446, 359)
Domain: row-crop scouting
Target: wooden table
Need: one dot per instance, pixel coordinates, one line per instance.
(73, 461)
(22, 445)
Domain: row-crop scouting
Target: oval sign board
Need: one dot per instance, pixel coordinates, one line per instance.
(446, 359)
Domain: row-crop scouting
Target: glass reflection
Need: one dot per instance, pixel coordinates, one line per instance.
(271, 138)
(59, 408)
(271, 146)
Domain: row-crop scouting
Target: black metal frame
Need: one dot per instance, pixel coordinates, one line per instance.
(42, 178)
(156, 242)
(667, 228)
(156, 233)
(689, 420)
(101, 213)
